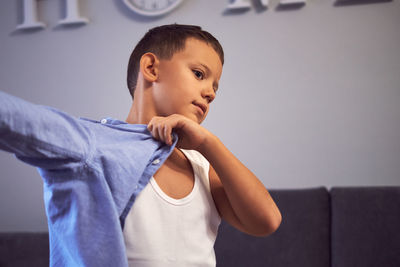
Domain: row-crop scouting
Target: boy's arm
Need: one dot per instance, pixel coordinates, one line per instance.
(39, 135)
(241, 198)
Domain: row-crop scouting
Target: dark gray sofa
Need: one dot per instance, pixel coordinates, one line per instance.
(342, 227)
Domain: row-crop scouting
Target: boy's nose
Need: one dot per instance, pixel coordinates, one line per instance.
(209, 94)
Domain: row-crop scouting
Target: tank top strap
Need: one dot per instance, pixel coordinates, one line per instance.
(200, 163)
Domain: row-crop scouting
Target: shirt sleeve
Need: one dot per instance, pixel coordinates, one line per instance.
(41, 136)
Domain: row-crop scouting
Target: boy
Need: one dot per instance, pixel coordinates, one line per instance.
(187, 179)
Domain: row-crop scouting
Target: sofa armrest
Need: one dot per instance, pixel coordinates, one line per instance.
(24, 249)
(365, 226)
(302, 240)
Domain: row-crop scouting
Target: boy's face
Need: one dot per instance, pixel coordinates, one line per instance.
(187, 82)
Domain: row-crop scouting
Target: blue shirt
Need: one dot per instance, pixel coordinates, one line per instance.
(92, 173)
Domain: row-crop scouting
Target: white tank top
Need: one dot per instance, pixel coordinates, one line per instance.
(161, 231)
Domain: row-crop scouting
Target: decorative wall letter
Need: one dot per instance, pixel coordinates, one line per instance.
(264, 3)
(30, 17)
(31, 21)
(243, 4)
(292, 2)
(238, 4)
(72, 14)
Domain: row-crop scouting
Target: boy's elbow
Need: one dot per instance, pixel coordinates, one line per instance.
(277, 222)
(269, 226)
(273, 225)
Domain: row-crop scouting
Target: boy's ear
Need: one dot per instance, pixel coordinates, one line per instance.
(149, 64)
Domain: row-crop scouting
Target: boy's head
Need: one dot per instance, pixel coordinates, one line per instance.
(164, 42)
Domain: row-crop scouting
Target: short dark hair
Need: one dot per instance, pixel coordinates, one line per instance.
(164, 41)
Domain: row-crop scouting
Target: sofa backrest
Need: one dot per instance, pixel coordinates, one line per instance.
(346, 227)
(365, 226)
(24, 249)
(302, 240)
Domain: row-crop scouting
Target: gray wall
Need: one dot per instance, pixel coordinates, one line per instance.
(309, 97)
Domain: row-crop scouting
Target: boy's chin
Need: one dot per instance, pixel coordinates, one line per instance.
(199, 120)
(195, 118)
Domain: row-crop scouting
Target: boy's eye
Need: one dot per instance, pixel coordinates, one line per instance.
(198, 74)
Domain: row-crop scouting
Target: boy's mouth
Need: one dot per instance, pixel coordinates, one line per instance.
(202, 106)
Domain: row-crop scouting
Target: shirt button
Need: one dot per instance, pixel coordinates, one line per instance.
(103, 121)
(156, 161)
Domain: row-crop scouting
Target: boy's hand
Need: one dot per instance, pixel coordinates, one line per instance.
(240, 197)
(191, 134)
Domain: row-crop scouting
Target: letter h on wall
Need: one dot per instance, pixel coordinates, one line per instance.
(31, 21)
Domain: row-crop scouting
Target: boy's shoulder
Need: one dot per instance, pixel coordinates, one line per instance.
(196, 158)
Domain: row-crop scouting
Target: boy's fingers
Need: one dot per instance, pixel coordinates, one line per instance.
(167, 134)
(160, 132)
(150, 125)
(161, 129)
(154, 132)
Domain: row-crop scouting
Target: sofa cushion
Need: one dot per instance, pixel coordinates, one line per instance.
(24, 249)
(365, 226)
(302, 240)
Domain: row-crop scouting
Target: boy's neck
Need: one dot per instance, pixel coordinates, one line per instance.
(134, 116)
(141, 111)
